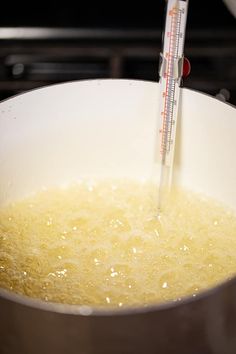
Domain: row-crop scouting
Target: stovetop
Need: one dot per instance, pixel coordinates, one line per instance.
(51, 44)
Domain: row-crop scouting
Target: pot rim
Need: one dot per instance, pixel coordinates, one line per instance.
(85, 310)
(112, 80)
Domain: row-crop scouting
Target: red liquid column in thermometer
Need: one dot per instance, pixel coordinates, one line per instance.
(171, 70)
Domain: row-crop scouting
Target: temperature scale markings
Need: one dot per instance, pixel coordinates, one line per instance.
(166, 133)
(169, 101)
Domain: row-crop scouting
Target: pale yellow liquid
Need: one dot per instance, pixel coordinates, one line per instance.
(104, 245)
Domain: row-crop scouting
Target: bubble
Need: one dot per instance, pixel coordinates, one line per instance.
(49, 222)
(114, 274)
(165, 285)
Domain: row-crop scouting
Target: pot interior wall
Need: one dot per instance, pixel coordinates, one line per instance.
(108, 128)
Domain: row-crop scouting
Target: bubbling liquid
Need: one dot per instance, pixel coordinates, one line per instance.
(104, 244)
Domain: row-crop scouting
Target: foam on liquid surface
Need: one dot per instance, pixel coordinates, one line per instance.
(102, 244)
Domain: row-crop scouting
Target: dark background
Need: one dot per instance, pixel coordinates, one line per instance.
(44, 43)
(112, 14)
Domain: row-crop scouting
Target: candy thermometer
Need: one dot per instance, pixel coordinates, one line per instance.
(171, 72)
